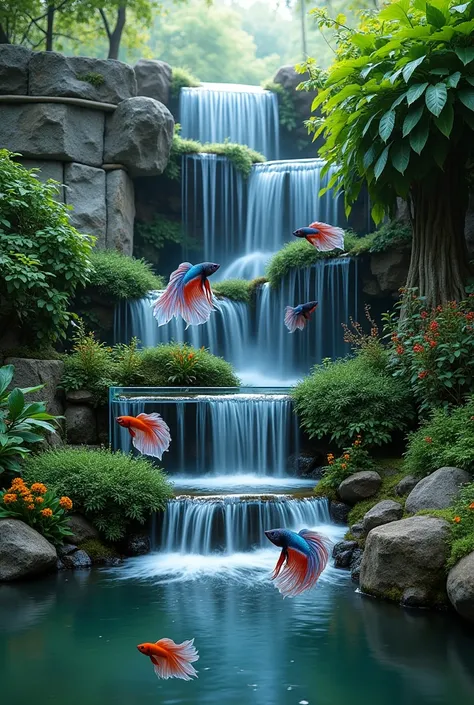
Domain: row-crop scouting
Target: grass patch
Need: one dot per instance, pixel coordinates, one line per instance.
(182, 78)
(234, 289)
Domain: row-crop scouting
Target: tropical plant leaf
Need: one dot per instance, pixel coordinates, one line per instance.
(381, 162)
(6, 376)
(400, 156)
(436, 97)
(434, 16)
(445, 121)
(369, 156)
(467, 98)
(465, 54)
(415, 91)
(386, 125)
(411, 67)
(412, 119)
(419, 136)
(15, 403)
(453, 80)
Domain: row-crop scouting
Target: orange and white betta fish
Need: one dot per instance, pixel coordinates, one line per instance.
(299, 316)
(188, 295)
(150, 434)
(171, 660)
(324, 237)
(306, 555)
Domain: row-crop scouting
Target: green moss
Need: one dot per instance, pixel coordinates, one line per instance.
(386, 491)
(46, 353)
(234, 289)
(116, 277)
(182, 78)
(95, 79)
(97, 551)
(286, 104)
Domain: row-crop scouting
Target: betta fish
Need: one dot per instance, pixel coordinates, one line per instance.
(306, 555)
(299, 316)
(324, 237)
(171, 660)
(150, 434)
(188, 295)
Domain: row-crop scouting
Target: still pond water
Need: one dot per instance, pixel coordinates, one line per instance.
(70, 639)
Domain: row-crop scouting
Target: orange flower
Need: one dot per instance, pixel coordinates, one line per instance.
(471, 506)
(422, 374)
(346, 456)
(65, 503)
(17, 483)
(39, 500)
(9, 498)
(39, 488)
(343, 466)
(428, 439)
(28, 498)
(30, 507)
(47, 512)
(457, 520)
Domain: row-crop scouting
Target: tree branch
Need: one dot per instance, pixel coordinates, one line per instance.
(106, 24)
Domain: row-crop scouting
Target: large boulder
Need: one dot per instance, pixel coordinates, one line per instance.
(47, 170)
(382, 513)
(153, 79)
(437, 491)
(406, 554)
(120, 211)
(14, 69)
(31, 373)
(287, 77)
(23, 551)
(460, 587)
(139, 135)
(406, 485)
(54, 131)
(339, 512)
(81, 425)
(82, 530)
(85, 192)
(102, 80)
(359, 486)
(390, 268)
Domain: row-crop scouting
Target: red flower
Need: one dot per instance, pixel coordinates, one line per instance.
(418, 348)
(424, 314)
(433, 343)
(434, 325)
(400, 350)
(470, 316)
(428, 439)
(423, 374)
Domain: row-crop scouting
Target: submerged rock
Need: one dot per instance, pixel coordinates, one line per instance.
(76, 560)
(359, 486)
(23, 551)
(355, 564)
(460, 587)
(382, 513)
(437, 491)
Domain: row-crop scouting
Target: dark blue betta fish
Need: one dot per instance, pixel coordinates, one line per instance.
(299, 316)
(188, 295)
(322, 236)
(306, 555)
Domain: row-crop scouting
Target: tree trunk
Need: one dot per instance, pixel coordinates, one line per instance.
(49, 27)
(439, 263)
(116, 36)
(3, 36)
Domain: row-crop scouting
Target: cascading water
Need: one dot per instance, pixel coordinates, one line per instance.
(216, 112)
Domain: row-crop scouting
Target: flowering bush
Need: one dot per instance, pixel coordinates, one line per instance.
(433, 349)
(462, 533)
(38, 507)
(354, 458)
(182, 365)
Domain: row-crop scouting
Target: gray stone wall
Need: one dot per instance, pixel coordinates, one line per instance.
(80, 121)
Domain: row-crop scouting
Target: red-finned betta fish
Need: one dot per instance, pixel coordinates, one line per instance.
(299, 316)
(188, 295)
(306, 555)
(324, 237)
(171, 660)
(150, 434)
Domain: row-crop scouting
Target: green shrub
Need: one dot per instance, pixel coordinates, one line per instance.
(112, 490)
(286, 105)
(234, 289)
(116, 277)
(97, 551)
(159, 233)
(445, 440)
(354, 458)
(42, 257)
(390, 236)
(344, 398)
(208, 371)
(182, 78)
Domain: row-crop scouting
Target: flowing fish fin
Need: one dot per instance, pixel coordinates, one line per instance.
(294, 320)
(302, 571)
(319, 547)
(156, 439)
(171, 301)
(328, 238)
(178, 660)
(197, 302)
(279, 564)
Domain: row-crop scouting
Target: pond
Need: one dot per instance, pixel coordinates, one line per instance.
(71, 639)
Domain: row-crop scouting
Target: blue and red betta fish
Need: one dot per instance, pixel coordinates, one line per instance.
(188, 295)
(299, 316)
(324, 237)
(306, 555)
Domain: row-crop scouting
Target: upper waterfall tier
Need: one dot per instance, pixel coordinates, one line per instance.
(215, 112)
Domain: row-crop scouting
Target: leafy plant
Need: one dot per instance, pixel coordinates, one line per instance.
(391, 235)
(159, 232)
(344, 398)
(398, 116)
(234, 289)
(95, 79)
(354, 458)
(367, 344)
(116, 277)
(89, 366)
(286, 105)
(209, 370)
(182, 78)
(21, 424)
(42, 257)
(181, 366)
(113, 490)
(38, 507)
(462, 526)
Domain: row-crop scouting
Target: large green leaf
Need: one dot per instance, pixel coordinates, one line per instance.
(415, 91)
(411, 67)
(445, 121)
(6, 376)
(465, 54)
(369, 156)
(434, 16)
(394, 11)
(400, 156)
(436, 97)
(412, 119)
(15, 403)
(460, 8)
(386, 125)
(453, 80)
(381, 163)
(467, 99)
(399, 100)
(419, 136)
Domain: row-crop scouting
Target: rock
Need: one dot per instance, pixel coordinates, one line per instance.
(359, 486)
(382, 513)
(78, 559)
(14, 69)
(60, 565)
(31, 373)
(304, 464)
(357, 530)
(339, 512)
(80, 396)
(410, 553)
(415, 597)
(137, 545)
(355, 564)
(86, 193)
(460, 587)
(47, 170)
(287, 77)
(80, 425)
(437, 491)
(23, 551)
(120, 211)
(54, 131)
(105, 81)
(139, 135)
(406, 485)
(390, 268)
(66, 549)
(153, 79)
(82, 530)
(342, 553)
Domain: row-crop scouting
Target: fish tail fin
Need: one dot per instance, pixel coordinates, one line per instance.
(294, 320)
(170, 303)
(328, 237)
(155, 439)
(319, 548)
(279, 565)
(177, 660)
(198, 302)
(302, 570)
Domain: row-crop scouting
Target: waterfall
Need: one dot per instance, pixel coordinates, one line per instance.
(202, 525)
(216, 112)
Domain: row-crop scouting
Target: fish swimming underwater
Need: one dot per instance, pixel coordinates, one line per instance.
(324, 237)
(306, 555)
(171, 660)
(150, 434)
(299, 316)
(188, 295)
